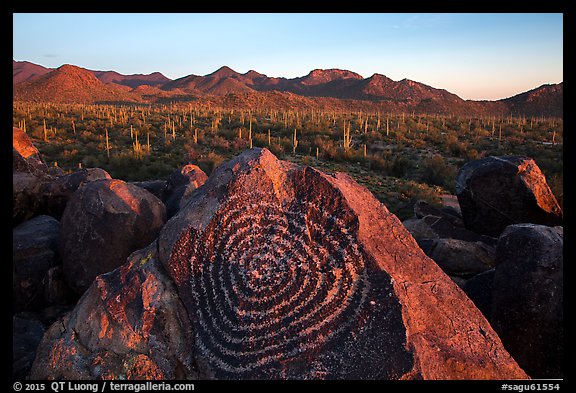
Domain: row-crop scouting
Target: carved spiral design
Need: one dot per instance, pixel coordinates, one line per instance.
(271, 284)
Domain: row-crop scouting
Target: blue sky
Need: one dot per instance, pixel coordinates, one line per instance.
(477, 56)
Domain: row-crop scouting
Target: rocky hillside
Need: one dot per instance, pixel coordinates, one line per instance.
(24, 70)
(70, 84)
(270, 270)
(544, 99)
(326, 88)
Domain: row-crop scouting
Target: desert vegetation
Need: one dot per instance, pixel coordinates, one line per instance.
(400, 157)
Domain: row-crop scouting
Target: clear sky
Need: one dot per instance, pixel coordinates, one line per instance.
(476, 56)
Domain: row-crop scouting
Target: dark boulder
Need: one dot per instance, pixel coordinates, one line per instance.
(459, 257)
(180, 186)
(479, 289)
(495, 192)
(435, 227)
(57, 192)
(423, 209)
(27, 332)
(157, 188)
(104, 221)
(34, 253)
(527, 300)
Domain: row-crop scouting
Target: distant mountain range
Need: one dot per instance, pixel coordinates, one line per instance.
(328, 88)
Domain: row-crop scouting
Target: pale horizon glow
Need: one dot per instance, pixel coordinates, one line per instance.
(476, 56)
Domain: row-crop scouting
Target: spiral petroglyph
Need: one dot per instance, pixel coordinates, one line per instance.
(276, 271)
(290, 273)
(270, 284)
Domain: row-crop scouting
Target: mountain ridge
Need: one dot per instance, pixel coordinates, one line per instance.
(35, 82)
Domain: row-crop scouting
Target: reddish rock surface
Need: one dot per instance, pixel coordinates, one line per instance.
(130, 324)
(495, 192)
(287, 272)
(29, 173)
(275, 271)
(104, 221)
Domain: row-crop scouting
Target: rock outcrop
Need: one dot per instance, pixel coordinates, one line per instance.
(156, 187)
(287, 272)
(495, 192)
(479, 289)
(431, 223)
(181, 184)
(34, 253)
(459, 257)
(27, 332)
(104, 222)
(57, 192)
(527, 299)
(29, 173)
(130, 324)
(276, 271)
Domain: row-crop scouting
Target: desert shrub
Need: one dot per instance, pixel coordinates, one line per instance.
(210, 162)
(436, 171)
(401, 166)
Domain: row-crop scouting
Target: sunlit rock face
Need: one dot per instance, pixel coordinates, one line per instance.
(104, 222)
(287, 272)
(495, 192)
(276, 271)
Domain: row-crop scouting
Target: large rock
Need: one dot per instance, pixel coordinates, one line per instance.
(181, 184)
(34, 253)
(27, 332)
(25, 156)
(287, 272)
(104, 222)
(495, 192)
(57, 192)
(459, 257)
(130, 324)
(527, 300)
(29, 173)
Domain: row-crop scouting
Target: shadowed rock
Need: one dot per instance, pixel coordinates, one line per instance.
(180, 186)
(129, 324)
(34, 253)
(495, 192)
(423, 209)
(27, 332)
(479, 289)
(156, 187)
(287, 272)
(527, 300)
(104, 221)
(459, 257)
(435, 227)
(57, 192)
